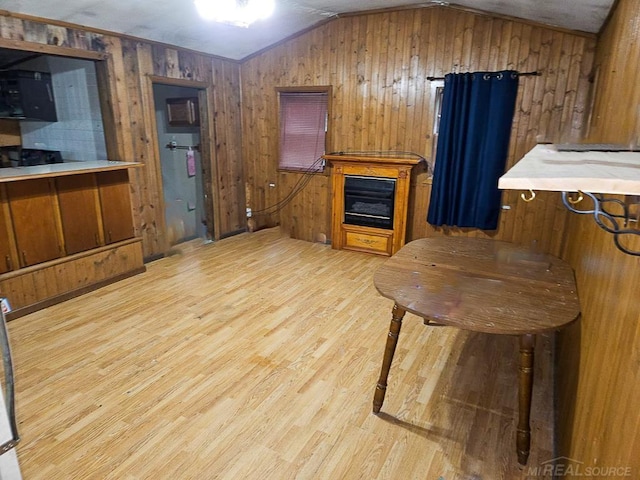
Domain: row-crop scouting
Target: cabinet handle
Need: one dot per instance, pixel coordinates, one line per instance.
(9, 262)
(109, 235)
(24, 258)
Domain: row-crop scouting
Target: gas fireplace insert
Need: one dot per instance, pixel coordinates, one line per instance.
(368, 201)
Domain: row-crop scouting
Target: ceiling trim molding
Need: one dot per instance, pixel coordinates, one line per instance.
(473, 11)
(290, 37)
(613, 9)
(533, 23)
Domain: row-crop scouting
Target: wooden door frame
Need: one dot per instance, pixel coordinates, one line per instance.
(210, 177)
(110, 66)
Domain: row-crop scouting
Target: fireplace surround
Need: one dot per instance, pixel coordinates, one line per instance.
(370, 199)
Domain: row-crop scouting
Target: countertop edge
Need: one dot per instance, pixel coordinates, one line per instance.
(62, 169)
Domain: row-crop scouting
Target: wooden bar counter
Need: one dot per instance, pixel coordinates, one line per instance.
(65, 229)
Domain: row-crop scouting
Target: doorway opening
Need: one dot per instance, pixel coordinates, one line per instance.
(178, 131)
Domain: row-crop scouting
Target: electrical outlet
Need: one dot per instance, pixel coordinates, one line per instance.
(249, 212)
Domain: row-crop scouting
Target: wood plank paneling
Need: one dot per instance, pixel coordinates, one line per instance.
(228, 146)
(599, 378)
(30, 287)
(378, 64)
(123, 66)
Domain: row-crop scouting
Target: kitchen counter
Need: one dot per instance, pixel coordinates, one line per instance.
(65, 229)
(12, 174)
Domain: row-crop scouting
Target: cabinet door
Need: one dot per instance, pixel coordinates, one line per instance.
(80, 212)
(33, 210)
(115, 202)
(8, 254)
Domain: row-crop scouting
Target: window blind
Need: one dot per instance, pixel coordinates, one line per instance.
(303, 121)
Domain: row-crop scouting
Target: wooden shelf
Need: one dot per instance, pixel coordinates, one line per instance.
(545, 168)
(374, 159)
(597, 172)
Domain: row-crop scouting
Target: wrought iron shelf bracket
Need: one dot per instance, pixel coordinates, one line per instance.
(607, 174)
(614, 223)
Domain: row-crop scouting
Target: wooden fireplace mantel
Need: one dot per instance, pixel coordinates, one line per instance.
(375, 240)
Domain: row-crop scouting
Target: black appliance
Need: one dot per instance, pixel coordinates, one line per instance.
(368, 201)
(28, 157)
(27, 95)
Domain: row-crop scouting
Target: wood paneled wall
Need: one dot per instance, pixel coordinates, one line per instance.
(126, 72)
(599, 358)
(378, 66)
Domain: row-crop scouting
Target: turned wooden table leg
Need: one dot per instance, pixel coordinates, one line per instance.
(525, 388)
(390, 349)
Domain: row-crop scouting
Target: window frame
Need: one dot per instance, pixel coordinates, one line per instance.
(327, 136)
(438, 98)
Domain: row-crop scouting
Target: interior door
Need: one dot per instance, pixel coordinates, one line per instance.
(180, 160)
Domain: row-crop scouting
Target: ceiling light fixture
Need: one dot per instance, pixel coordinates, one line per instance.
(240, 13)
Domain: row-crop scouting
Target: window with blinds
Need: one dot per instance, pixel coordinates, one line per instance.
(303, 129)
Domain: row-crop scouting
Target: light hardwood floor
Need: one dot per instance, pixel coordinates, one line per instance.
(256, 357)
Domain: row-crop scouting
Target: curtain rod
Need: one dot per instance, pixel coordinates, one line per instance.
(523, 74)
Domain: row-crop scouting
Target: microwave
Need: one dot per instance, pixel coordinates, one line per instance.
(27, 95)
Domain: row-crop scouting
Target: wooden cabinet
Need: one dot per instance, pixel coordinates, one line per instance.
(53, 217)
(349, 235)
(367, 239)
(79, 212)
(8, 255)
(33, 210)
(115, 204)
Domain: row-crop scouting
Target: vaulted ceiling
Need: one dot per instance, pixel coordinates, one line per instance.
(176, 22)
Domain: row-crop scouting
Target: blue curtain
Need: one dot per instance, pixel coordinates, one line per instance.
(473, 142)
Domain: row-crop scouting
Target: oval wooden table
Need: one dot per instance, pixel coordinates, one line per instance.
(480, 285)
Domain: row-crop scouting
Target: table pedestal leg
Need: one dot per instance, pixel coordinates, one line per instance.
(525, 386)
(390, 349)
